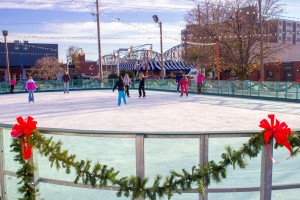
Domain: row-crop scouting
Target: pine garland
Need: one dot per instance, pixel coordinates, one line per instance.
(101, 175)
(25, 173)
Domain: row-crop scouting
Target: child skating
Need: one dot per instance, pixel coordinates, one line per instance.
(184, 86)
(121, 90)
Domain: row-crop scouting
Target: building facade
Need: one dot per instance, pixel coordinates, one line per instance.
(22, 57)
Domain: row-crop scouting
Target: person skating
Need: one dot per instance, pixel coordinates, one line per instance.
(12, 85)
(178, 78)
(142, 85)
(200, 79)
(66, 81)
(121, 90)
(30, 87)
(184, 86)
(127, 83)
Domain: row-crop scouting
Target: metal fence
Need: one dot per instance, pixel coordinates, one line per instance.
(148, 154)
(250, 89)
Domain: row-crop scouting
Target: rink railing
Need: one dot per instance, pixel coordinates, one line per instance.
(250, 89)
(262, 189)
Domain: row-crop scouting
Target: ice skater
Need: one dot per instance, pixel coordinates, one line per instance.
(121, 90)
(127, 82)
(30, 87)
(184, 86)
(142, 85)
(66, 82)
(200, 79)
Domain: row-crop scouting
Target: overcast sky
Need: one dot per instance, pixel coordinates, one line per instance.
(123, 22)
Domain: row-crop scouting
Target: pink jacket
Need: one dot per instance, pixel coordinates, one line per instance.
(30, 85)
(12, 82)
(200, 78)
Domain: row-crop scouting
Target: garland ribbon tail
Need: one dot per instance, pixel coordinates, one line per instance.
(273, 159)
(27, 149)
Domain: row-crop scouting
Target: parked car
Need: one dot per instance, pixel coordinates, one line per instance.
(86, 76)
(153, 77)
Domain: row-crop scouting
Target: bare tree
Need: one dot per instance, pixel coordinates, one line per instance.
(46, 67)
(74, 56)
(234, 23)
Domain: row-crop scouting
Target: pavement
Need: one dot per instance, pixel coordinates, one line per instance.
(159, 111)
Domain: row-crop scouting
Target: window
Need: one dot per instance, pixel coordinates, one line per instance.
(288, 24)
(298, 25)
(298, 40)
(289, 31)
(289, 39)
(279, 38)
(279, 30)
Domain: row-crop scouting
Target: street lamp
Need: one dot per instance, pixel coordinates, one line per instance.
(156, 20)
(262, 72)
(5, 33)
(21, 47)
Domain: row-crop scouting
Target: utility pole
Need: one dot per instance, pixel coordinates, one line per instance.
(261, 60)
(99, 42)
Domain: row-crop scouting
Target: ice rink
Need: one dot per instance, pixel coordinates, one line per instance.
(159, 111)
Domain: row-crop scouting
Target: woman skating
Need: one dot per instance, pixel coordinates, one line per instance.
(30, 87)
(142, 85)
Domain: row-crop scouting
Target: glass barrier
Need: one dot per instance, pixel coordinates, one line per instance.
(162, 153)
(267, 89)
(170, 156)
(249, 177)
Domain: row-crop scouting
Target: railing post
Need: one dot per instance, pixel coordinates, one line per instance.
(203, 159)
(266, 172)
(2, 164)
(140, 161)
(35, 179)
(277, 89)
(297, 90)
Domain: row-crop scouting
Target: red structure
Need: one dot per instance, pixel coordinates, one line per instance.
(285, 71)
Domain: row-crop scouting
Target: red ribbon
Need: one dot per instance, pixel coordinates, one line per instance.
(279, 131)
(24, 130)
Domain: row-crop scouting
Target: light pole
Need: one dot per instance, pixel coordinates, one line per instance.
(156, 20)
(21, 47)
(116, 55)
(261, 58)
(5, 33)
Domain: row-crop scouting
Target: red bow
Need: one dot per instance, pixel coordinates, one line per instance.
(279, 131)
(23, 130)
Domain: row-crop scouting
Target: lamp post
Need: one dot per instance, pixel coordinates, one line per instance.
(156, 20)
(5, 33)
(261, 58)
(21, 47)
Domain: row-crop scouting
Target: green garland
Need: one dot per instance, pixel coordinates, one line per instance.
(101, 175)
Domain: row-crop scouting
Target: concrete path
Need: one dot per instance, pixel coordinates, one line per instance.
(159, 111)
